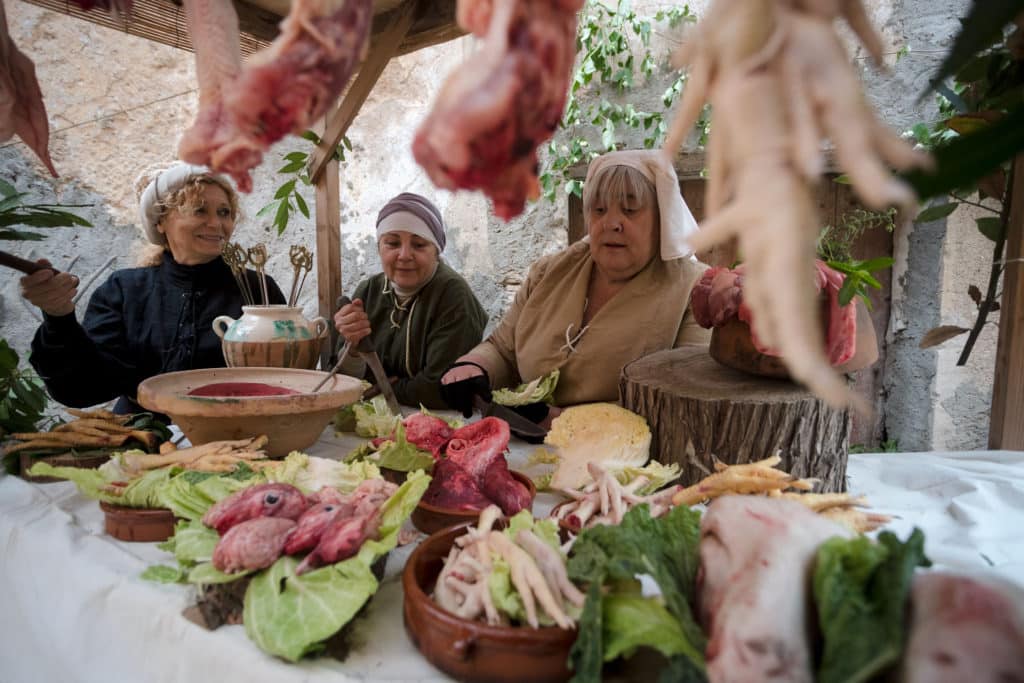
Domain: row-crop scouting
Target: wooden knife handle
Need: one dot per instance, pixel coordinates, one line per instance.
(24, 265)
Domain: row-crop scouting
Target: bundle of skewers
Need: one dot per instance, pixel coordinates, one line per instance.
(239, 258)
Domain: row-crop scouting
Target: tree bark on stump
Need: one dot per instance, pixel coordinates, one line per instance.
(699, 410)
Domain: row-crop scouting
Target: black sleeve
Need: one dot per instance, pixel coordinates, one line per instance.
(89, 363)
(274, 292)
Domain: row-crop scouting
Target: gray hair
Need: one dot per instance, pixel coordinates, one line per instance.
(624, 184)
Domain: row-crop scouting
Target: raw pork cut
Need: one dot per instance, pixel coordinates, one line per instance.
(255, 544)
(964, 630)
(756, 555)
(264, 500)
(22, 111)
(718, 297)
(311, 525)
(427, 432)
(282, 89)
(341, 540)
(497, 107)
(474, 473)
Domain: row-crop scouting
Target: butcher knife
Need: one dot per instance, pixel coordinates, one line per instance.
(527, 430)
(366, 350)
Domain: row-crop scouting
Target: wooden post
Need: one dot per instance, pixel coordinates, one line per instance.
(1006, 426)
(328, 250)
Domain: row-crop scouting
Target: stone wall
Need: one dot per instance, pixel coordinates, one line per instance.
(117, 104)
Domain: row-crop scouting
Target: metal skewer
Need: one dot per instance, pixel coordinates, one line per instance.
(258, 258)
(296, 254)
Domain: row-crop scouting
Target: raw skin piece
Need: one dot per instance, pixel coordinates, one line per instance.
(264, 500)
(255, 544)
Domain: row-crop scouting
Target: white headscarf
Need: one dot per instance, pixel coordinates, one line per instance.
(162, 185)
(677, 223)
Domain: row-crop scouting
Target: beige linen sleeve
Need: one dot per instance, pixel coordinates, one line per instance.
(497, 353)
(692, 333)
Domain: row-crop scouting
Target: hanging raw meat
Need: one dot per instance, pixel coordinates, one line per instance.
(497, 107)
(779, 81)
(22, 111)
(280, 90)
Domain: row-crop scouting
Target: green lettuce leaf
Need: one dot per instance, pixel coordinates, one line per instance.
(657, 475)
(192, 543)
(290, 616)
(206, 573)
(666, 549)
(860, 590)
(143, 492)
(374, 418)
(539, 390)
(310, 474)
(401, 455)
(345, 419)
(545, 529)
(160, 573)
(190, 494)
(632, 621)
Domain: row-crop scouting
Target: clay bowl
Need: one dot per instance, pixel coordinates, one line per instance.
(430, 519)
(291, 422)
(86, 460)
(471, 650)
(145, 525)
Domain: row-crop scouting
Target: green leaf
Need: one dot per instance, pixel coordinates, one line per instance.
(292, 167)
(163, 574)
(874, 264)
(6, 189)
(346, 142)
(296, 156)
(285, 189)
(849, 289)
(311, 136)
(991, 227)
(21, 236)
(268, 209)
(983, 25)
(967, 158)
(281, 217)
(12, 201)
(934, 213)
(301, 203)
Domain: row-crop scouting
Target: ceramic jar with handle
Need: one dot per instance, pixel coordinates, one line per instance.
(271, 337)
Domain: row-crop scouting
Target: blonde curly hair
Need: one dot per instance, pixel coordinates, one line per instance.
(186, 199)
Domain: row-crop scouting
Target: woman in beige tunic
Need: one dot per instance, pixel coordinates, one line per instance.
(621, 293)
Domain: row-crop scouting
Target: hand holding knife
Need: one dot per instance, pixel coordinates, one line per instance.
(366, 349)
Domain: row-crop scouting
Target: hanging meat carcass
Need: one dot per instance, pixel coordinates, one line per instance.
(497, 107)
(283, 89)
(22, 111)
(779, 81)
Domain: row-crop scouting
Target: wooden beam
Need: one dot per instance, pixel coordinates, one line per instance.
(328, 251)
(383, 48)
(1006, 425)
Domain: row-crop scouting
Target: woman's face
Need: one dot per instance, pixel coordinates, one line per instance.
(195, 237)
(408, 259)
(623, 236)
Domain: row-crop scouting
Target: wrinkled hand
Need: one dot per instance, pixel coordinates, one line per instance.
(52, 292)
(461, 383)
(352, 322)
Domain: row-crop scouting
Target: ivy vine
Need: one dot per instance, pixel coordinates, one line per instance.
(614, 56)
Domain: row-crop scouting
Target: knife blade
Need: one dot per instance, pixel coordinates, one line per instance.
(369, 354)
(519, 425)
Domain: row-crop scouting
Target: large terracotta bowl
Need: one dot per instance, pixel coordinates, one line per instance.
(291, 422)
(472, 650)
(431, 518)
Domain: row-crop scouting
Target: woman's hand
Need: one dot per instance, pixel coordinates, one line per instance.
(352, 322)
(52, 292)
(463, 381)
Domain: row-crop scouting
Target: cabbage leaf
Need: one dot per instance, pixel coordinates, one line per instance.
(540, 390)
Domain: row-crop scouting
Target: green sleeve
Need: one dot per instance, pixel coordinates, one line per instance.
(454, 326)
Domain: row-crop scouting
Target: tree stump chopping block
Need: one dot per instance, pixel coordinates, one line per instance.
(699, 410)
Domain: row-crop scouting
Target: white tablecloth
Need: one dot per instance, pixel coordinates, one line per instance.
(73, 608)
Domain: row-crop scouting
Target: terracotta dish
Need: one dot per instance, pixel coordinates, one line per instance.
(291, 422)
(472, 650)
(145, 525)
(430, 518)
(88, 461)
